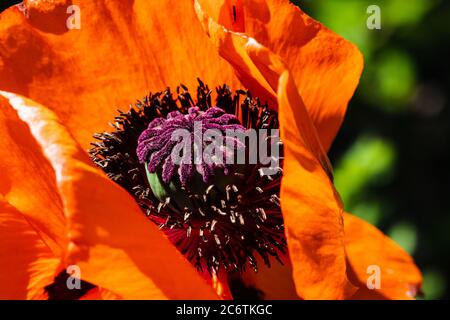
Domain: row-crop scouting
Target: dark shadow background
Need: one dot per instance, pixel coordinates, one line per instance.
(4, 4)
(392, 155)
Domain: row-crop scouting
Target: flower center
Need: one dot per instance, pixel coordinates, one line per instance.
(194, 151)
(178, 160)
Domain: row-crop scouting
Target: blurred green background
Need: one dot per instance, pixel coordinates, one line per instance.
(392, 154)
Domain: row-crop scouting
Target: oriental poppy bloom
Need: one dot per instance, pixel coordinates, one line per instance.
(137, 226)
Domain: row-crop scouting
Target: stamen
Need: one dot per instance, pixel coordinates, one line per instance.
(217, 216)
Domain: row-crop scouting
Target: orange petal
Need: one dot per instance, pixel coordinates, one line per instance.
(123, 50)
(111, 240)
(32, 227)
(325, 67)
(312, 210)
(233, 49)
(311, 207)
(28, 181)
(366, 247)
(27, 264)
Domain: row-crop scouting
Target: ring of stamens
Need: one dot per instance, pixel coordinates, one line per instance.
(223, 228)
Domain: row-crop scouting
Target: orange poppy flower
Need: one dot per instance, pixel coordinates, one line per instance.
(60, 86)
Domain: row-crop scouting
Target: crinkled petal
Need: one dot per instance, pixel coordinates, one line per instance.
(325, 67)
(32, 223)
(27, 264)
(28, 181)
(311, 207)
(112, 242)
(123, 50)
(370, 251)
